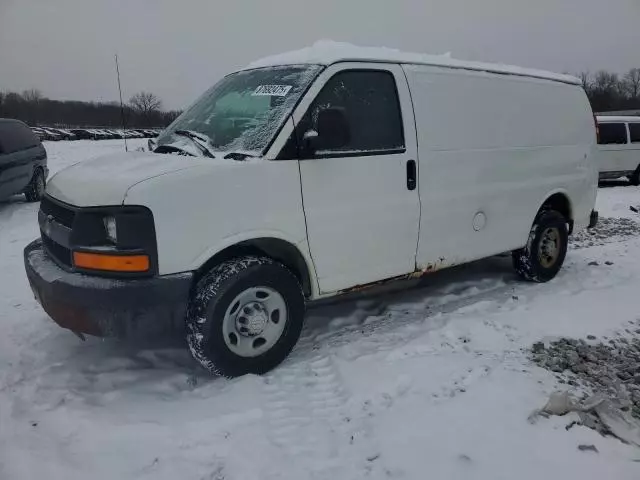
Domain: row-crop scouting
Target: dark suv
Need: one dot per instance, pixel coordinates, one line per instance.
(23, 161)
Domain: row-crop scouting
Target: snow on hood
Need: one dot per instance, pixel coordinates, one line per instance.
(106, 180)
(327, 52)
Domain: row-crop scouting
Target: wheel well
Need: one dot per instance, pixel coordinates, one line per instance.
(280, 250)
(560, 203)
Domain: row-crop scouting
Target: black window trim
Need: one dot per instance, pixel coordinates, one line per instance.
(626, 133)
(361, 153)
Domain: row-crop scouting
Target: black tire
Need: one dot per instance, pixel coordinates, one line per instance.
(211, 299)
(528, 262)
(634, 178)
(35, 190)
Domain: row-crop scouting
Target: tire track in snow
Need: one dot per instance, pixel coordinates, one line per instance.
(305, 401)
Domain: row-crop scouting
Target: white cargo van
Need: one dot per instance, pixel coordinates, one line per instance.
(619, 148)
(308, 175)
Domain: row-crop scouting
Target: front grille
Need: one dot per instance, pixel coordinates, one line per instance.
(58, 211)
(59, 253)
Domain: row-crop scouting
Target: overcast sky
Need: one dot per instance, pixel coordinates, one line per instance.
(178, 48)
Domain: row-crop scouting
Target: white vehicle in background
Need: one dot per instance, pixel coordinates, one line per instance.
(619, 148)
(308, 175)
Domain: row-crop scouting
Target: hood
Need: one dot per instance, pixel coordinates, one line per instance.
(106, 180)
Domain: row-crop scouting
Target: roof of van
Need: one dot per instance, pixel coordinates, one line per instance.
(617, 118)
(327, 52)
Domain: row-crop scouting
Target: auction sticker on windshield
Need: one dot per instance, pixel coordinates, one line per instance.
(272, 90)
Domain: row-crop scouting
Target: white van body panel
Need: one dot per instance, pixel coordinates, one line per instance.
(200, 211)
(617, 160)
(362, 221)
(105, 180)
(492, 149)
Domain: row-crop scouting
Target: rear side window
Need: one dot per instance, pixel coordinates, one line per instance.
(16, 136)
(613, 134)
(369, 101)
(634, 132)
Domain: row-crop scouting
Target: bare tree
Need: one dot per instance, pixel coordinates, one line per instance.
(631, 84)
(32, 99)
(145, 102)
(32, 95)
(585, 78)
(605, 82)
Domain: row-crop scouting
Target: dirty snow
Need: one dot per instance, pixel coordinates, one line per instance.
(429, 382)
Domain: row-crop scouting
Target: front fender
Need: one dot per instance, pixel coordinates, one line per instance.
(301, 245)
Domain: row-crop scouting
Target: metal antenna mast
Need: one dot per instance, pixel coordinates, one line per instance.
(124, 126)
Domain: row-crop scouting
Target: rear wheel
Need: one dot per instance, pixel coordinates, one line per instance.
(541, 259)
(35, 190)
(245, 316)
(634, 178)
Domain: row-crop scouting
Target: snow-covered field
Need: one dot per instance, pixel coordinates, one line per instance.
(426, 383)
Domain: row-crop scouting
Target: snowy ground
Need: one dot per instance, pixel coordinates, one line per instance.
(430, 382)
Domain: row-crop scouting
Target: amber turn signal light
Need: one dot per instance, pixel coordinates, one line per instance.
(111, 263)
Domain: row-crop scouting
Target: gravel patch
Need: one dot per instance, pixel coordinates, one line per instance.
(610, 367)
(606, 231)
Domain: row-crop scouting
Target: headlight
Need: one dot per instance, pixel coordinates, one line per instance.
(111, 229)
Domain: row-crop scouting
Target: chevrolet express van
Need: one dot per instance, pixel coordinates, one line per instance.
(619, 148)
(308, 175)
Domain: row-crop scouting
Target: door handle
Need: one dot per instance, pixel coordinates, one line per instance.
(411, 175)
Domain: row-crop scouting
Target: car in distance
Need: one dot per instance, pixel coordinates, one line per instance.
(23, 161)
(619, 148)
(306, 176)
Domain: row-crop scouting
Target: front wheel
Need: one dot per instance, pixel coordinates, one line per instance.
(35, 190)
(245, 316)
(541, 259)
(634, 178)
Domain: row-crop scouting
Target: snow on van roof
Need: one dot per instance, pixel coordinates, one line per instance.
(618, 118)
(327, 52)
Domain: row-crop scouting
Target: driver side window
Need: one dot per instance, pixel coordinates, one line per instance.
(356, 112)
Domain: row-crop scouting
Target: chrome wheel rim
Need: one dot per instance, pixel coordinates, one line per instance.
(549, 248)
(254, 321)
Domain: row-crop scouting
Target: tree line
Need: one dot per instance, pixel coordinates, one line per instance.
(144, 110)
(609, 91)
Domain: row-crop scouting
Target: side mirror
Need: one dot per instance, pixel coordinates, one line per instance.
(333, 129)
(310, 142)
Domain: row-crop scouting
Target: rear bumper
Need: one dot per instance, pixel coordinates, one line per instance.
(107, 307)
(593, 219)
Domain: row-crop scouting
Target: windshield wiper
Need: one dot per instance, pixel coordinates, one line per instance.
(239, 155)
(200, 139)
(169, 148)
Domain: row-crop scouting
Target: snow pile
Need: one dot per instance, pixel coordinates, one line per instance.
(597, 412)
(326, 52)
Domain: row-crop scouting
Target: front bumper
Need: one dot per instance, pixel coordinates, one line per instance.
(107, 307)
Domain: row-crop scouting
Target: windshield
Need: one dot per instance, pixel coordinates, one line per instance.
(243, 111)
